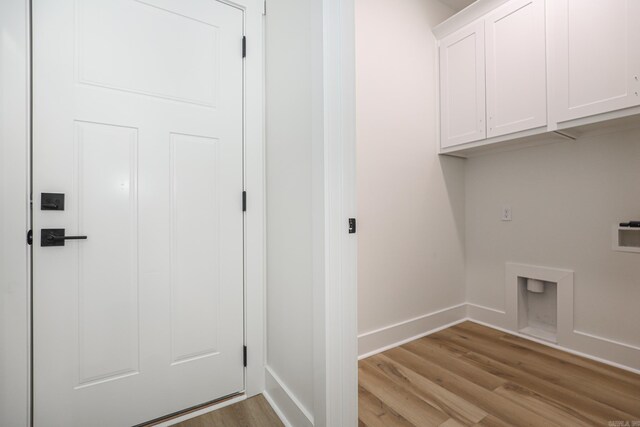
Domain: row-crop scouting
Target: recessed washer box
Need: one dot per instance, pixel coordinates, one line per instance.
(626, 239)
(538, 311)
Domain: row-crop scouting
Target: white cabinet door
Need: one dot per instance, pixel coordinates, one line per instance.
(137, 119)
(595, 56)
(516, 67)
(462, 86)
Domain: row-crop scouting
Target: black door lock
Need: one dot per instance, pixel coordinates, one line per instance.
(56, 237)
(52, 201)
(352, 225)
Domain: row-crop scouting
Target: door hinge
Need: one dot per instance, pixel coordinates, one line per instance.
(29, 237)
(244, 356)
(352, 225)
(244, 46)
(244, 201)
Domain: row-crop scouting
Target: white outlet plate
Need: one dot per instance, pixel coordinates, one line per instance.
(506, 213)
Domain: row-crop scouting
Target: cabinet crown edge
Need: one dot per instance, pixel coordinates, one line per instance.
(466, 16)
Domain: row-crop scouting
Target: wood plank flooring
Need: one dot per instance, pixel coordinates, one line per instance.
(473, 375)
(253, 412)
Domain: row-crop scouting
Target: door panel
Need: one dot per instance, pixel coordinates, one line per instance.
(195, 203)
(138, 121)
(462, 86)
(106, 183)
(516, 67)
(595, 56)
(126, 58)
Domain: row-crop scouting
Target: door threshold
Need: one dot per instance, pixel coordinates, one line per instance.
(194, 411)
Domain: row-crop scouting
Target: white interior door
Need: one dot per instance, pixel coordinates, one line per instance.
(138, 121)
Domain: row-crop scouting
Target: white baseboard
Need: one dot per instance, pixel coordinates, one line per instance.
(600, 349)
(391, 336)
(604, 350)
(290, 411)
(487, 314)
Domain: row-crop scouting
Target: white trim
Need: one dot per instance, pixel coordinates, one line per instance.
(621, 355)
(600, 349)
(495, 310)
(626, 367)
(559, 347)
(567, 335)
(490, 315)
(318, 220)
(607, 340)
(391, 336)
(336, 351)
(469, 14)
(284, 402)
(255, 271)
(277, 410)
(202, 411)
(15, 292)
(413, 338)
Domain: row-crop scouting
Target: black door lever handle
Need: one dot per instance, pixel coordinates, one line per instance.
(56, 237)
(53, 237)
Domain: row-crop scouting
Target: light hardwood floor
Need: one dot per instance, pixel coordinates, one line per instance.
(253, 412)
(473, 375)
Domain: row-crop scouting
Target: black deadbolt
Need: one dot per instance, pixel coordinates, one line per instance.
(52, 201)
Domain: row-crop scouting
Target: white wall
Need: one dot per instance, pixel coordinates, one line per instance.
(410, 200)
(429, 224)
(14, 267)
(565, 199)
(290, 94)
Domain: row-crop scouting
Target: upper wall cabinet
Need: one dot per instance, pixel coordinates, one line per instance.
(462, 86)
(513, 71)
(516, 67)
(594, 56)
(498, 87)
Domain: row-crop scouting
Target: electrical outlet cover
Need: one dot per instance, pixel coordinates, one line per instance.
(506, 213)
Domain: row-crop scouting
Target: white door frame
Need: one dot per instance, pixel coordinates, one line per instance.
(254, 161)
(339, 343)
(15, 291)
(15, 117)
